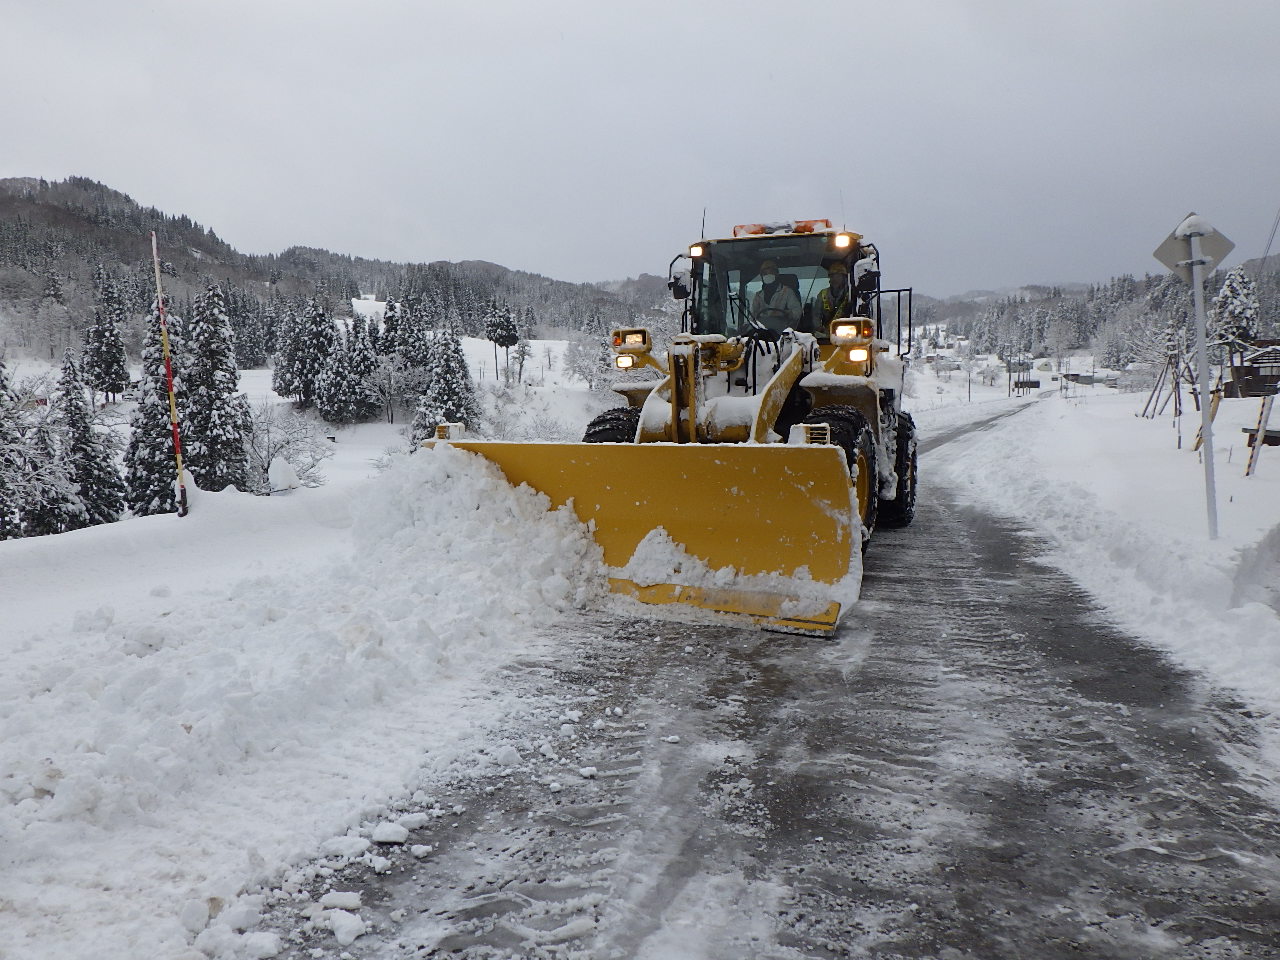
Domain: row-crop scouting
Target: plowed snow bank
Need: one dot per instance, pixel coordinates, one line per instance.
(289, 699)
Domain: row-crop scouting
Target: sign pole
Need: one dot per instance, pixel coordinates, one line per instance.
(1193, 245)
(1202, 374)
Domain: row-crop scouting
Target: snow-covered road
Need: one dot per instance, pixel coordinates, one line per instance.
(978, 766)
(194, 710)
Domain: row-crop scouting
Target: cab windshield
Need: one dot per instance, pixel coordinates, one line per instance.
(730, 297)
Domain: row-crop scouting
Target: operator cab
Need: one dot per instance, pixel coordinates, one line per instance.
(729, 296)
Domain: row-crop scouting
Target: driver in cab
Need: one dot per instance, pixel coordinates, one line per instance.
(775, 305)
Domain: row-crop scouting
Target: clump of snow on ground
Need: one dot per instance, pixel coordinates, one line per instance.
(176, 757)
(1125, 511)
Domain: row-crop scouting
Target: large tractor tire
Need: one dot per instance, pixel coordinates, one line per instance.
(850, 430)
(900, 511)
(618, 425)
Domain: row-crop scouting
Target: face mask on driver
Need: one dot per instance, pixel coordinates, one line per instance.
(769, 278)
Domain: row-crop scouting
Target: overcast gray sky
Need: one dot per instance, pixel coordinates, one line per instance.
(985, 143)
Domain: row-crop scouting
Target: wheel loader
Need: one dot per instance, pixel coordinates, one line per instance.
(757, 453)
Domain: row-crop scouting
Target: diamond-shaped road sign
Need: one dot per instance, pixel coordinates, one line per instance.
(1175, 252)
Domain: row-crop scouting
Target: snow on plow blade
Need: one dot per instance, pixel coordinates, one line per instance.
(765, 532)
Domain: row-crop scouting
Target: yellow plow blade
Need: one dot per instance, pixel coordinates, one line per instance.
(781, 516)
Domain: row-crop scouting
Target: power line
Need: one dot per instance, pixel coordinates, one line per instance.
(1267, 251)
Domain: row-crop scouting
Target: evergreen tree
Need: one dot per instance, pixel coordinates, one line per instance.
(492, 313)
(284, 379)
(247, 327)
(1233, 317)
(413, 337)
(106, 367)
(53, 289)
(88, 461)
(216, 423)
(337, 392)
(52, 504)
(364, 368)
(387, 341)
(314, 340)
(506, 335)
(149, 467)
(450, 397)
(12, 460)
(269, 320)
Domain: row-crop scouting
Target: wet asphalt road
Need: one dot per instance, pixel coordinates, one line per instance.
(977, 767)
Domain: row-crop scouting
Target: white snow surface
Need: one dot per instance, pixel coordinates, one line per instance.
(1125, 513)
(166, 748)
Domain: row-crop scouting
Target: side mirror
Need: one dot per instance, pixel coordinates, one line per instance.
(679, 284)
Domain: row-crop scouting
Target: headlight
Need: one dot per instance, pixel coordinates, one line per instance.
(631, 341)
(852, 330)
(695, 251)
(843, 240)
(859, 354)
(624, 362)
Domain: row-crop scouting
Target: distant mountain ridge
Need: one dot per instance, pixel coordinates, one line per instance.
(56, 236)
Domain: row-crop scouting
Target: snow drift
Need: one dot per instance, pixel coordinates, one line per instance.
(287, 698)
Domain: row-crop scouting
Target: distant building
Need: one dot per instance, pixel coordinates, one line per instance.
(1258, 373)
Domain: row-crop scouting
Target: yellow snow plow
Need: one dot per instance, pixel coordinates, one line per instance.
(741, 521)
(746, 474)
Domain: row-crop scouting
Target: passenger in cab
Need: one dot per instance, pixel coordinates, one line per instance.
(775, 305)
(833, 302)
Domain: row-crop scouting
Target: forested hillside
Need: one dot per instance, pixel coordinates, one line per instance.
(1123, 320)
(70, 248)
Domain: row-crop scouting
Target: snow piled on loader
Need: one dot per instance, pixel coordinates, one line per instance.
(286, 697)
(659, 559)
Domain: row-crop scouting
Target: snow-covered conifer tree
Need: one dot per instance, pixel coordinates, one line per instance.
(249, 333)
(1233, 316)
(284, 362)
(337, 391)
(364, 367)
(149, 468)
(506, 334)
(216, 423)
(51, 504)
(386, 342)
(106, 368)
(414, 338)
(450, 397)
(12, 458)
(86, 457)
(314, 340)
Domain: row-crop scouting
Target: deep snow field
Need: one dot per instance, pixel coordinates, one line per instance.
(192, 706)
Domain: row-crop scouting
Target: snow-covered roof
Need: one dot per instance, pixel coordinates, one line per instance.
(1267, 355)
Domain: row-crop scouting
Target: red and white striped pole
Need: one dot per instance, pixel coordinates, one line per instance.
(168, 373)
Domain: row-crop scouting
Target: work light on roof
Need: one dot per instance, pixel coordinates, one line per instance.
(784, 226)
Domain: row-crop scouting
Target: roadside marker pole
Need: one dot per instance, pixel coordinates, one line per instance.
(168, 373)
(1259, 434)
